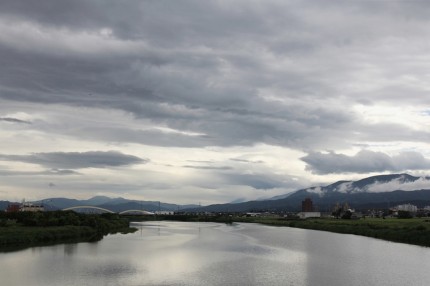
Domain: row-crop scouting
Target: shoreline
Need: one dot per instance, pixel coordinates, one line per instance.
(414, 231)
(24, 230)
(20, 238)
(394, 230)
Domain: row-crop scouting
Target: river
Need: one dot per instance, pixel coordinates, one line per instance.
(182, 253)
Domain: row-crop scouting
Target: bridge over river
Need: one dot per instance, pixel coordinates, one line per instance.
(109, 211)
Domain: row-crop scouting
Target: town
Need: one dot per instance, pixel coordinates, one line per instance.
(308, 210)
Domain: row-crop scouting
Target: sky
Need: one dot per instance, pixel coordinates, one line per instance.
(209, 101)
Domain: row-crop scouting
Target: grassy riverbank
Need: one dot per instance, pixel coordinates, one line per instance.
(21, 230)
(411, 231)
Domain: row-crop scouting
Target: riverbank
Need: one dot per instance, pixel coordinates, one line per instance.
(22, 230)
(411, 231)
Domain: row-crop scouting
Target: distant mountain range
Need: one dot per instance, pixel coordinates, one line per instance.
(381, 191)
(113, 204)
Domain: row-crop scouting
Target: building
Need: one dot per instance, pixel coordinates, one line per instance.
(308, 210)
(307, 205)
(13, 207)
(164, 212)
(29, 207)
(407, 207)
(305, 215)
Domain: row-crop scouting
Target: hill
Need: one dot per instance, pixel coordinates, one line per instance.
(114, 204)
(381, 191)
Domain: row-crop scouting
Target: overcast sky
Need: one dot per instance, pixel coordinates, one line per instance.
(209, 101)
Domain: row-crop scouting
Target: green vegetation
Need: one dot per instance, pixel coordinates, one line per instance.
(23, 229)
(412, 231)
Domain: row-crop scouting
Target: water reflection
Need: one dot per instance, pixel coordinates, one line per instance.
(177, 253)
(351, 259)
(70, 249)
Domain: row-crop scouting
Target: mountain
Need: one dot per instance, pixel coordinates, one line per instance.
(4, 205)
(370, 184)
(100, 200)
(373, 192)
(381, 191)
(60, 203)
(151, 206)
(114, 204)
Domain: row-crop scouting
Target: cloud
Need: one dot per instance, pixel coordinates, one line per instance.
(60, 172)
(261, 181)
(275, 73)
(398, 184)
(14, 120)
(364, 162)
(77, 160)
(256, 181)
(247, 161)
(285, 79)
(189, 77)
(55, 172)
(208, 167)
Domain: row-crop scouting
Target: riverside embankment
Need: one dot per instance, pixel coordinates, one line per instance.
(411, 231)
(21, 230)
(25, 229)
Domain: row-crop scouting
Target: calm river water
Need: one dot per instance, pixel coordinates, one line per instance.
(180, 253)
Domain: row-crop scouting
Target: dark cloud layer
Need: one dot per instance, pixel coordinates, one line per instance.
(217, 62)
(51, 172)
(76, 160)
(364, 162)
(237, 81)
(14, 120)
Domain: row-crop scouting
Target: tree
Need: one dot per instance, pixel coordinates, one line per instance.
(404, 214)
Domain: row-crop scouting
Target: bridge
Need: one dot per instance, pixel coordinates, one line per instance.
(109, 211)
(137, 211)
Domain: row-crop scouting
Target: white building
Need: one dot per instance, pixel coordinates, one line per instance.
(407, 207)
(305, 215)
(164, 212)
(29, 207)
